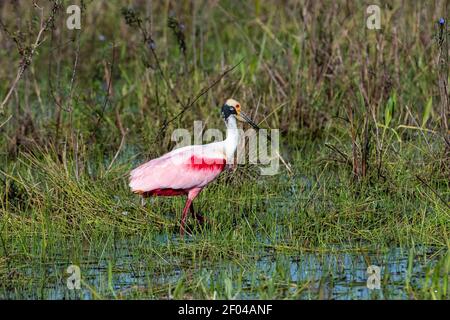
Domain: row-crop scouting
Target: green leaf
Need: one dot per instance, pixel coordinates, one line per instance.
(427, 111)
(228, 288)
(178, 293)
(389, 110)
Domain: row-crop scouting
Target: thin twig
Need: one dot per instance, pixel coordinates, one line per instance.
(341, 153)
(122, 142)
(434, 191)
(199, 95)
(107, 95)
(4, 122)
(27, 59)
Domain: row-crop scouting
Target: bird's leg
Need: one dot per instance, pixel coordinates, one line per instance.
(191, 196)
(184, 217)
(200, 219)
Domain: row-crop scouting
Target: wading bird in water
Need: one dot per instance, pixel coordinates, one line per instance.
(187, 170)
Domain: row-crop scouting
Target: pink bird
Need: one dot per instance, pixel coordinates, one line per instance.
(186, 171)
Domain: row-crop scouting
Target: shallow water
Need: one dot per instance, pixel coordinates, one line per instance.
(345, 275)
(341, 274)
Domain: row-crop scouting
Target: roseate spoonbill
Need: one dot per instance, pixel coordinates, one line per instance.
(187, 170)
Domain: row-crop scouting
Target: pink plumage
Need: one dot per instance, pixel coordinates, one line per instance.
(186, 171)
(178, 171)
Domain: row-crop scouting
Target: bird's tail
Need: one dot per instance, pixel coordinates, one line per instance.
(134, 181)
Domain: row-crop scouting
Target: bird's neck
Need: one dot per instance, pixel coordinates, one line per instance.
(232, 139)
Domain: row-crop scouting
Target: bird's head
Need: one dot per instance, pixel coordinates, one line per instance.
(232, 108)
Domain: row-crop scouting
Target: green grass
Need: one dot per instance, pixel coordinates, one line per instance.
(360, 126)
(95, 223)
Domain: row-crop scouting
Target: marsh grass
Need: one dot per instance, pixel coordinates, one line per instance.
(62, 219)
(360, 124)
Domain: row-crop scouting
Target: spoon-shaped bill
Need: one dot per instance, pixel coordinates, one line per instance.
(249, 121)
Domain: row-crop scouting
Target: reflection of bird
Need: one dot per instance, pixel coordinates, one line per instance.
(186, 171)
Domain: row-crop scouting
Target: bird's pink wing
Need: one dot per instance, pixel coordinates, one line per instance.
(191, 168)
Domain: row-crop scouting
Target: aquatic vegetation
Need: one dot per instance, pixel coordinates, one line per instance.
(360, 115)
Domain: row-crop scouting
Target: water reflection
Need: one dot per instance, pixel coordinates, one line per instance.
(336, 275)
